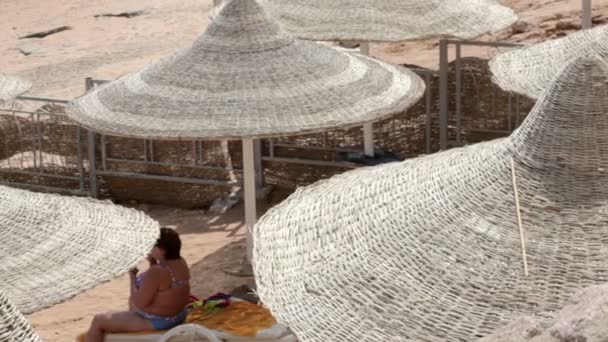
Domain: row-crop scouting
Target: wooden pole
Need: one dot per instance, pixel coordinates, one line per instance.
(521, 228)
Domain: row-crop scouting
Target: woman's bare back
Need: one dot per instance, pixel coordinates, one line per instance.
(174, 291)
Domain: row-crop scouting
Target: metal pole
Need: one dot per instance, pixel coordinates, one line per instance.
(443, 94)
(368, 128)
(249, 193)
(92, 167)
(586, 15)
(259, 167)
(458, 94)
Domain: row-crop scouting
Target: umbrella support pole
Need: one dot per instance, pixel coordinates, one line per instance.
(368, 128)
(586, 15)
(249, 192)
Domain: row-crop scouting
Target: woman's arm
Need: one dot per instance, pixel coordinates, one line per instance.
(144, 295)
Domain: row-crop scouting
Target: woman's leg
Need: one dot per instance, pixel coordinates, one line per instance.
(116, 322)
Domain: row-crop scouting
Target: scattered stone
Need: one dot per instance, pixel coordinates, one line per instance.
(31, 47)
(521, 330)
(521, 27)
(567, 25)
(43, 34)
(226, 201)
(129, 14)
(348, 44)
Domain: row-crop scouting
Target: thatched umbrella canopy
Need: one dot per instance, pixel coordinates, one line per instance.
(389, 20)
(530, 70)
(12, 86)
(13, 326)
(430, 249)
(246, 78)
(55, 247)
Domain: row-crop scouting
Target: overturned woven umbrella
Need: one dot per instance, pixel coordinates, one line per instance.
(246, 78)
(430, 249)
(389, 20)
(13, 326)
(12, 86)
(530, 70)
(54, 247)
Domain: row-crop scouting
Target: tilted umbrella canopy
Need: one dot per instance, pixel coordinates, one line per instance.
(55, 247)
(13, 326)
(530, 70)
(429, 249)
(12, 86)
(388, 20)
(246, 78)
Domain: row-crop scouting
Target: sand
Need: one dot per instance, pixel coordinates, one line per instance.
(106, 48)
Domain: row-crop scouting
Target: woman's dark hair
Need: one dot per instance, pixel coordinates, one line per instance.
(170, 243)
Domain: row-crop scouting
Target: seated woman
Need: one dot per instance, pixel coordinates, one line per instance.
(158, 297)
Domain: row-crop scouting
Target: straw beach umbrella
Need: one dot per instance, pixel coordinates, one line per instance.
(12, 86)
(55, 247)
(246, 78)
(450, 246)
(13, 326)
(388, 21)
(530, 70)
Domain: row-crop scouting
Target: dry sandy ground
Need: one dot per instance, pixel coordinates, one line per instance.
(106, 48)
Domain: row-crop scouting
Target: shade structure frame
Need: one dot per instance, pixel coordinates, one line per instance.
(429, 249)
(55, 247)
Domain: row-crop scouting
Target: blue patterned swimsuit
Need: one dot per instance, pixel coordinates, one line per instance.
(163, 322)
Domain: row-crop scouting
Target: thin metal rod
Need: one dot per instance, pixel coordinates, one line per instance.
(249, 193)
(41, 99)
(200, 151)
(80, 159)
(35, 159)
(45, 188)
(104, 152)
(587, 22)
(141, 162)
(145, 150)
(443, 94)
(167, 178)
(368, 128)
(259, 165)
(458, 94)
(92, 166)
(151, 148)
(271, 147)
(30, 173)
(39, 138)
(428, 98)
(311, 162)
(194, 154)
(521, 228)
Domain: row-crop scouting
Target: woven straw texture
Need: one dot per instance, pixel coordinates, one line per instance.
(429, 249)
(13, 326)
(530, 70)
(389, 20)
(245, 77)
(12, 86)
(54, 247)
